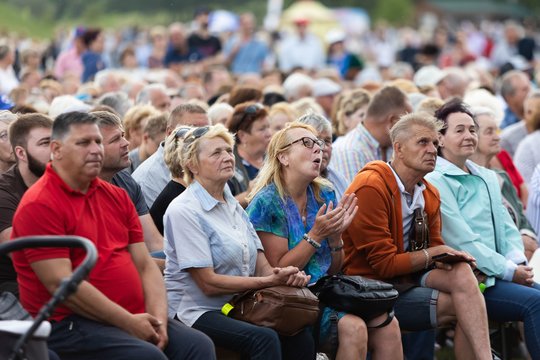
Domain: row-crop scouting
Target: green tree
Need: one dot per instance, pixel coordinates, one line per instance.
(395, 12)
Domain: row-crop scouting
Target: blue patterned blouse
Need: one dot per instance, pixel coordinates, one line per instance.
(269, 213)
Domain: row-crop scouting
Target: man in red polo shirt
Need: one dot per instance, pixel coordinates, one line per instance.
(121, 310)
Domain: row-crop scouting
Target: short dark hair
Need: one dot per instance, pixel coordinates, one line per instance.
(20, 128)
(242, 94)
(244, 116)
(90, 35)
(452, 106)
(386, 100)
(107, 118)
(63, 122)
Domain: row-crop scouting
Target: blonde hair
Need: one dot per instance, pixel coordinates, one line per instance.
(350, 104)
(283, 108)
(137, 116)
(272, 170)
(191, 150)
(172, 152)
(430, 105)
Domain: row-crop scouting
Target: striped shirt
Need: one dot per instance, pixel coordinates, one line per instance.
(533, 204)
(354, 150)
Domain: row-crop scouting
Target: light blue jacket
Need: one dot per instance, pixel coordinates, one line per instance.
(475, 220)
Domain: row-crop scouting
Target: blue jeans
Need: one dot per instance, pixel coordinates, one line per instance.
(255, 341)
(508, 301)
(76, 337)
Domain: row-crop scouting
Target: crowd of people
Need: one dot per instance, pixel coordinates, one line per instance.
(203, 165)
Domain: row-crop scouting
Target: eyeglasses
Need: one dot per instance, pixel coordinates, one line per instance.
(3, 135)
(308, 142)
(194, 135)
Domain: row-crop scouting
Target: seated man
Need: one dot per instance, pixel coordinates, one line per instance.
(392, 198)
(121, 310)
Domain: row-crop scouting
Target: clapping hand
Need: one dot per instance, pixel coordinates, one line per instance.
(330, 221)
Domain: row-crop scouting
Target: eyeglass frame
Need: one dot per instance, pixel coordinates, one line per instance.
(317, 141)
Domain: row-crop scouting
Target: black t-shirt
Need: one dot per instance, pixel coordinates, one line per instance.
(172, 190)
(12, 188)
(123, 180)
(206, 47)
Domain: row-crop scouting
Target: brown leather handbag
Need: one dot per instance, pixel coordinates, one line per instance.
(285, 309)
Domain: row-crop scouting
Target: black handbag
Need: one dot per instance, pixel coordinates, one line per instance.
(366, 298)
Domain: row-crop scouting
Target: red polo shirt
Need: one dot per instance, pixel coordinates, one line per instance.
(105, 215)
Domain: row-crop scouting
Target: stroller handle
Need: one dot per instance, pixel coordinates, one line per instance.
(67, 286)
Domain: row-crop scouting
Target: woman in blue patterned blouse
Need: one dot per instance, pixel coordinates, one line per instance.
(299, 222)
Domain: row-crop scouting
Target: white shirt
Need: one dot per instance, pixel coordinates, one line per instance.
(409, 203)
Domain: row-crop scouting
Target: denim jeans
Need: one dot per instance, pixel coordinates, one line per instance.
(76, 337)
(256, 342)
(508, 301)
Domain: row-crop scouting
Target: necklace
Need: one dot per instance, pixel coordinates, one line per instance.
(303, 214)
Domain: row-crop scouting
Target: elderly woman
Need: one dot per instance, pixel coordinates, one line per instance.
(249, 122)
(324, 132)
(213, 252)
(6, 152)
(488, 147)
(475, 220)
(299, 222)
(172, 155)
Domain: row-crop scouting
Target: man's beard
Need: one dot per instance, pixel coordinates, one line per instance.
(37, 168)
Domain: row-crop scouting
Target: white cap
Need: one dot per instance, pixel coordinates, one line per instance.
(67, 103)
(334, 36)
(324, 87)
(428, 76)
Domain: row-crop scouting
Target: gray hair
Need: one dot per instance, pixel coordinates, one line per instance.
(7, 116)
(482, 110)
(103, 76)
(143, 97)
(117, 100)
(296, 82)
(507, 82)
(406, 122)
(317, 121)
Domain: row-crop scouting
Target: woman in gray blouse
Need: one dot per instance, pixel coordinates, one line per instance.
(213, 252)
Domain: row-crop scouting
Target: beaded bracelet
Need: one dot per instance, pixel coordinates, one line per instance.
(311, 242)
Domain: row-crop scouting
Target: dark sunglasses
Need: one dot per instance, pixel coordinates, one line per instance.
(181, 132)
(308, 142)
(250, 110)
(194, 135)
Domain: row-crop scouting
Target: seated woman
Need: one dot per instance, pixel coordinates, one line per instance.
(172, 154)
(475, 220)
(249, 122)
(300, 223)
(488, 147)
(213, 252)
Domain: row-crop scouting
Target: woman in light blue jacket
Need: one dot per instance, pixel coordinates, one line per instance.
(475, 220)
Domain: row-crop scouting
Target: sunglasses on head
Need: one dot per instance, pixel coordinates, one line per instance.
(181, 132)
(195, 134)
(308, 142)
(251, 110)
